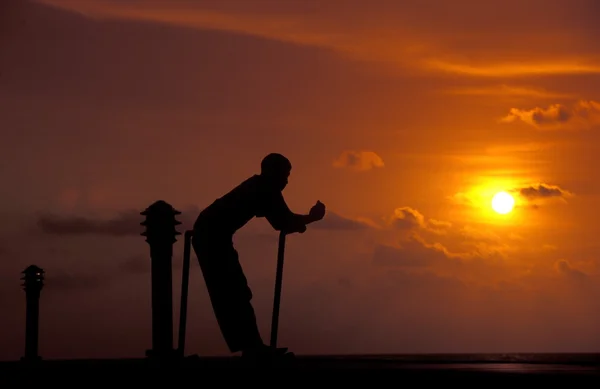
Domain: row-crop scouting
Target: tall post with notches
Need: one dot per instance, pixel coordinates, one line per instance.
(161, 234)
(33, 282)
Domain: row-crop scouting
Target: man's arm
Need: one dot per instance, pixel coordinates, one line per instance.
(299, 223)
(282, 218)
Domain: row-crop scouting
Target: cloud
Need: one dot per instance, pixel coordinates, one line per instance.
(478, 234)
(125, 223)
(438, 226)
(480, 263)
(426, 288)
(544, 192)
(403, 34)
(518, 148)
(567, 270)
(484, 260)
(412, 249)
(508, 91)
(78, 280)
(65, 282)
(498, 70)
(464, 251)
(359, 160)
(334, 221)
(581, 115)
(526, 195)
(462, 198)
(407, 218)
(136, 264)
(413, 253)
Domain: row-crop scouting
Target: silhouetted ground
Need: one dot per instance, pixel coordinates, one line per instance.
(457, 368)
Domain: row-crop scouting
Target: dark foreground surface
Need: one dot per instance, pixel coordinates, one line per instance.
(456, 368)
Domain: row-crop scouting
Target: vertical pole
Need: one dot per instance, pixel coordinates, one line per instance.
(185, 278)
(162, 301)
(278, 286)
(32, 328)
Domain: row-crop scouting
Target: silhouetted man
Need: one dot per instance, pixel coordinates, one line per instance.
(258, 196)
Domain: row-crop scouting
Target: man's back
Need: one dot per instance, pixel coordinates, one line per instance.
(253, 197)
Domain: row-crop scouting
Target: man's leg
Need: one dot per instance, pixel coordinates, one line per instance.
(229, 294)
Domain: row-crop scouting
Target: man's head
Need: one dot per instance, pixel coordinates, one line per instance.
(276, 168)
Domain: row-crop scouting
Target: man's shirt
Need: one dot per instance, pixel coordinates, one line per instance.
(254, 197)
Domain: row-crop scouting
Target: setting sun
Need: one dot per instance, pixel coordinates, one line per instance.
(503, 203)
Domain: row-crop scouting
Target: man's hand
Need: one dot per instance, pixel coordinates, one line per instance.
(300, 228)
(298, 222)
(317, 212)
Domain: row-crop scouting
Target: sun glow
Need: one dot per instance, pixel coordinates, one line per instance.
(503, 203)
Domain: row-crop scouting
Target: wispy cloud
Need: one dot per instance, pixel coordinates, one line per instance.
(396, 41)
(509, 91)
(498, 70)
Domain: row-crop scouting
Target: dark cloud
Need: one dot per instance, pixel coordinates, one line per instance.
(539, 191)
(333, 221)
(566, 269)
(581, 115)
(136, 264)
(411, 253)
(126, 223)
(359, 160)
(65, 282)
(61, 281)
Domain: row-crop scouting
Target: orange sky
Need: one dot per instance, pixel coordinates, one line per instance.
(403, 117)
